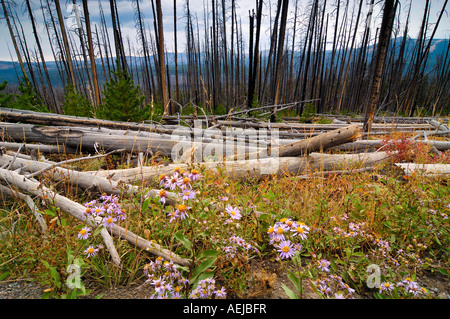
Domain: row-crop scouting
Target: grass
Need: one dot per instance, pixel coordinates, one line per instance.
(354, 224)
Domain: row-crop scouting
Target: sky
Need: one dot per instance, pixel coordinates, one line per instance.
(126, 10)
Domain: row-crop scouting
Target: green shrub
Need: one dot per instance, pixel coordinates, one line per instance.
(122, 100)
(76, 103)
(28, 99)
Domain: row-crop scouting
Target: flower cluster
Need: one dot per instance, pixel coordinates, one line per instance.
(332, 286)
(181, 182)
(237, 245)
(285, 235)
(206, 289)
(168, 283)
(406, 287)
(107, 207)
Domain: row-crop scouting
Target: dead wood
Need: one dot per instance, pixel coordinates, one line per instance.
(314, 144)
(77, 211)
(254, 169)
(16, 194)
(425, 169)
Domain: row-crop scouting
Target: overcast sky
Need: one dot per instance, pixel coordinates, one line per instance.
(127, 19)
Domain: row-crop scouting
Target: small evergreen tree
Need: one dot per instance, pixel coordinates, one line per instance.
(28, 99)
(122, 100)
(5, 99)
(76, 103)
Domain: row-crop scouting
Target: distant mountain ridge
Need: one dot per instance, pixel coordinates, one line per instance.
(438, 50)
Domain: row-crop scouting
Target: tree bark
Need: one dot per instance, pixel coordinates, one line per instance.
(257, 168)
(383, 44)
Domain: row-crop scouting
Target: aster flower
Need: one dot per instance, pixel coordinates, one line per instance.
(234, 212)
(88, 211)
(98, 210)
(185, 183)
(188, 194)
(173, 214)
(84, 233)
(323, 264)
(195, 175)
(162, 196)
(182, 211)
(279, 230)
(173, 181)
(223, 198)
(301, 230)
(159, 285)
(91, 251)
(91, 203)
(221, 293)
(386, 287)
(162, 179)
(109, 221)
(285, 249)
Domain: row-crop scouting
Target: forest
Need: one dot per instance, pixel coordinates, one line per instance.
(299, 150)
(322, 57)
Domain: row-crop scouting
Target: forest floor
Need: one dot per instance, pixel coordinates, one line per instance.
(349, 222)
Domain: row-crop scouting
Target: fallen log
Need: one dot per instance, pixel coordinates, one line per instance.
(94, 139)
(16, 194)
(425, 169)
(317, 143)
(32, 117)
(77, 211)
(41, 148)
(372, 144)
(84, 180)
(253, 169)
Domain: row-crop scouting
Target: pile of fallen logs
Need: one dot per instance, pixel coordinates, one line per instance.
(241, 148)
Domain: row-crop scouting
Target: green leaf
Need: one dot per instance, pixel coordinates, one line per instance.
(145, 204)
(208, 254)
(53, 273)
(186, 242)
(50, 212)
(295, 280)
(289, 292)
(201, 268)
(444, 271)
(4, 275)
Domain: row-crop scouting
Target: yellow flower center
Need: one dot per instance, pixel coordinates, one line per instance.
(387, 285)
(88, 210)
(162, 176)
(98, 210)
(285, 249)
(91, 250)
(83, 232)
(271, 230)
(176, 170)
(194, 172)
(300, 230)
(182, 208)
(186, 180)
(232, 212)
(109, 220)
(280, 230)
(162, 193)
